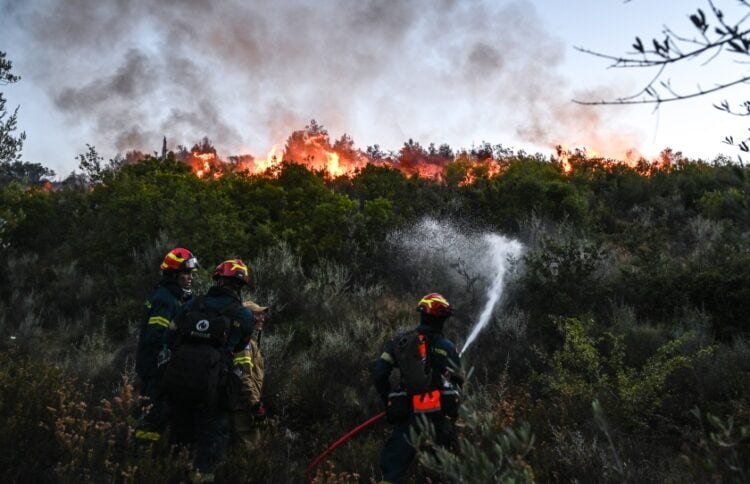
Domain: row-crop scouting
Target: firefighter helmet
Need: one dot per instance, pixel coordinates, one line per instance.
(233, 269)
(435, 305)
(179, 259)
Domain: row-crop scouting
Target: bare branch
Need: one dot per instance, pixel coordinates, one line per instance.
(658, 100)
(724, 106)
(715, 35)
(664, 57)
(648, 88)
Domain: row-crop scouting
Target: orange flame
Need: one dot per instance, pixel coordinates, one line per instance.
(206, 164)
(313, 148)
(572, 159)
(252, 165)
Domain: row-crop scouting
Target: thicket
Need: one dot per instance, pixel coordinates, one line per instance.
(620, 352)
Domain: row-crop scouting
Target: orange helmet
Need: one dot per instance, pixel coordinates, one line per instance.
(233, 269)
(179, 259)
(435, 305)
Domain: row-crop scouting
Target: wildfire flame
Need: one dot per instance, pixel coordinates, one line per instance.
(205, 164)
(570, 159)
(312, 147)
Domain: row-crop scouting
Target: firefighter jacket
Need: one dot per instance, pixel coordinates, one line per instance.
(161, 310)
(249, 367)
(443, 359)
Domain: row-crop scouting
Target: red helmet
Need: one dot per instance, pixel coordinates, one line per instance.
(435, 305)
(179, 259)
(234, 269)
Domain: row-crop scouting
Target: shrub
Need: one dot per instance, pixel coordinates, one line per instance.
(720, 451)
(588, 368)
(28, 393)
(485, 452)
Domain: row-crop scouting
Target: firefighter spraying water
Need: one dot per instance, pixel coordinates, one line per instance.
(484, 257)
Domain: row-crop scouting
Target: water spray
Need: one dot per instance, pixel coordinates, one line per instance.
(443, 251)
(501, 250)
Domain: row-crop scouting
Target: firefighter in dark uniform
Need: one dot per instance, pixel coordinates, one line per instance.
(162, 306)
(208, 428)
(428, 390)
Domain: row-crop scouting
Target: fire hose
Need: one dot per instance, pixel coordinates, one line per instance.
(359, 428)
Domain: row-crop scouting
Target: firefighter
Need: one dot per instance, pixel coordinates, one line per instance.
(249, 368)
(171, 292)
(427, 393)
(209, 329)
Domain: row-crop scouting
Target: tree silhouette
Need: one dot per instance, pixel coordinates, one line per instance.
(10, 145)
(12, 169)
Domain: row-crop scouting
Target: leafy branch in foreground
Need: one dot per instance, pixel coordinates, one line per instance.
(484, 453)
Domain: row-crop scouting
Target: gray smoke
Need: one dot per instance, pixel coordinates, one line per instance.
(248, 73)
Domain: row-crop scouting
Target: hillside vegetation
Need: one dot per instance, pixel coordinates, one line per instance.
(620, 351)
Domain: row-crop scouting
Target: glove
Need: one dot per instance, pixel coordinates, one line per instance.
(258, 411)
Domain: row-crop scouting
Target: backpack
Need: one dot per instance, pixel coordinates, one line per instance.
(412, 351)
(200, 363)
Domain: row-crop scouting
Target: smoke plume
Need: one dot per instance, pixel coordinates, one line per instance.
(248, 73)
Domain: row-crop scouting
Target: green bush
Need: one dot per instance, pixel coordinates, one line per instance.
(588, 368)
(28, 399)
(485, 452)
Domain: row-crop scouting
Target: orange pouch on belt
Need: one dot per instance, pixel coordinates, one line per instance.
(426, 402)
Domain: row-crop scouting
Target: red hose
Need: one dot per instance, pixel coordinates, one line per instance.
(341, 440)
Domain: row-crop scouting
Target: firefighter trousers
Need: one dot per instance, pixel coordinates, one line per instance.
(398, 453)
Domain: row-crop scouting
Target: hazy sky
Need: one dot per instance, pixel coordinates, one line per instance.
(121, 74)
